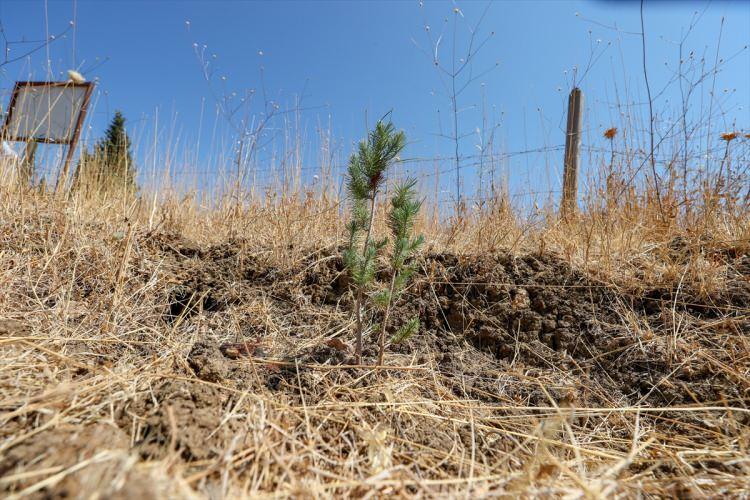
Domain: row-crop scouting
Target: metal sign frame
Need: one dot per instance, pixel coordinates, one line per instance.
(8, 135)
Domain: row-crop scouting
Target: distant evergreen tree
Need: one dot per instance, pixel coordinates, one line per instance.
(110, 164)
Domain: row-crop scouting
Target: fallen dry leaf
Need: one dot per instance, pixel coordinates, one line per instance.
(337, 344)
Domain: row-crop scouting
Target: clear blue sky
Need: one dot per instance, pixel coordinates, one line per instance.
(359, 59)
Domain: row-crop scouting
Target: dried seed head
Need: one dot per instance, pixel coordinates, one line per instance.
(75, 76)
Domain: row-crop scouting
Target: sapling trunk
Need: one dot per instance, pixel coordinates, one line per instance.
(361, 287)
(386, 317)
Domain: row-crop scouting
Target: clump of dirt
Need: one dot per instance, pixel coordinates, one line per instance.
(492, 301)
(95, 458)
(207, 362)
(179, 416)
(497, 302)
(208, 279)
(324, 279)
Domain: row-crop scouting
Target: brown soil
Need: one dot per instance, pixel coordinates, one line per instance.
(531, 310)
(92, 458)
(180, 416)
(531, 313)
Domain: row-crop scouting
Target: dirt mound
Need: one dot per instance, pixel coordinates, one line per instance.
(179, 416)
(536, 311)
(95, 459)
(206, 279)
(486, 321)
(531, 310)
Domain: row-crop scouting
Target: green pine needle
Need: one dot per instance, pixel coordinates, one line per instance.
(406, 331)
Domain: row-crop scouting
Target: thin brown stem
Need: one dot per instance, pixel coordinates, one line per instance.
(384, 326)
(360, 288)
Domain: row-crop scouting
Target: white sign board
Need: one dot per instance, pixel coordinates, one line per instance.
(46, 112)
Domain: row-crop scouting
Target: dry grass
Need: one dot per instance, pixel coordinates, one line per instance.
(103, 394)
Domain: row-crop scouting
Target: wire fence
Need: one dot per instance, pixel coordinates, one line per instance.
(527, 176)
(536, 177)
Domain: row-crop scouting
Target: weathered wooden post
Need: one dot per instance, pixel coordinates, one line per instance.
(569, 203)
(26, 166)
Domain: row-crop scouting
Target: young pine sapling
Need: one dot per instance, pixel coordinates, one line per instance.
(365, 177)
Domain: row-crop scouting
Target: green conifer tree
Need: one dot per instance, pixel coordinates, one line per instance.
(110, 164)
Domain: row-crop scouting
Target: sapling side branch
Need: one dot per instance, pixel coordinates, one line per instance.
(403, 214)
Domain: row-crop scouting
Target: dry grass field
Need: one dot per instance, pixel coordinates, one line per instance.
(156, 348)
(179, 313)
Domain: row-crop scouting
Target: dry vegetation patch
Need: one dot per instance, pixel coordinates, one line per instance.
(141, 361)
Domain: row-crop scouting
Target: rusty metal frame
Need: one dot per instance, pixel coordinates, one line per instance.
(8, 136)
(71, 143)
